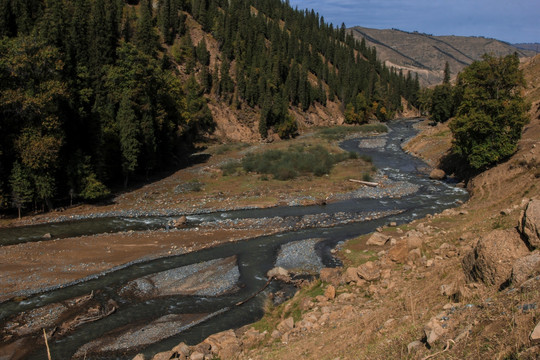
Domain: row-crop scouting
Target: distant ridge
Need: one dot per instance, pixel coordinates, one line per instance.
(426, 54)
(529, 46)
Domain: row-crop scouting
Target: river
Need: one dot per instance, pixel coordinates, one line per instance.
(192, 317)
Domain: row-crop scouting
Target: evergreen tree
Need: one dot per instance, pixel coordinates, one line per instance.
(128, 131)
(146, 38)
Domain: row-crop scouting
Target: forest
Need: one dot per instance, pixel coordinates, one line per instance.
(95, 93)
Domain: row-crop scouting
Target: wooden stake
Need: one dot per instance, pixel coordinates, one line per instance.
(47, 345)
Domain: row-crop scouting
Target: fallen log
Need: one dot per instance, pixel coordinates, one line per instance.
(367, 183)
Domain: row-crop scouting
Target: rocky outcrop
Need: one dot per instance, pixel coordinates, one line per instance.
(492, 259)
(224, 345)
(529, 224)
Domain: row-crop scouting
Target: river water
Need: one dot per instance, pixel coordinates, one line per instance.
(253, 257)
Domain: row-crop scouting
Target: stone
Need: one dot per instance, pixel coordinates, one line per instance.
(369, 271)
(392, 224)
(535, 334)
(197, 356)
(529, 224)
(350, 275)
(278, 273)
(139, 357)
(224, 344)
(47, 236)
(330, 292)
(448, 290)
(492, 258)
(180, 222)
(437, 174)
(399, 252)
(414, 346)
(345, 297)
(330, 275)
(433, 331)
(414, 240)
(166, 355)
(526, 267)
(252, 337)
(286, 325)
(414, 255)
(378, 239)
(275, 334)
(182, 349)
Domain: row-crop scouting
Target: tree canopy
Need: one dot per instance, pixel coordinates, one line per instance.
(491, 113)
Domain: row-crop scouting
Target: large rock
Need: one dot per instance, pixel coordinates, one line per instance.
(369, 271)
(525, 267)
(492, 259)
(180, 222)
(414, 240)
(330, 275)
(529, 224)
(433, 331)
(278, 273)
(286, 325)
(399, 252)
(224, 344)
(350, 275)
(437, 174)
(378, 239)
(535, 335)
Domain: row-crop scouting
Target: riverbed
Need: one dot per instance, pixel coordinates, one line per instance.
(246, 243)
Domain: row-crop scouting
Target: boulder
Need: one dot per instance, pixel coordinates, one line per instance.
(197, 356)
(399, 252)
(535, 335)
(414, 240)
(180, 222)
(224, 344)
(529, 224)
(252, 337)
(414, 346)
(278, 273)
(378, 239)
(526, 267)
(433, 331)
(47, 236)
(182, 350)
(437, 174)
(330, 275)
(492, 258)
(414, 255)
(330, 292)
(369, 271)
(286, 325)
(350, 275)
(139, 357)
(166, 355)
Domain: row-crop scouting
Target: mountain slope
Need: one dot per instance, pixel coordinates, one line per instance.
(427, 54)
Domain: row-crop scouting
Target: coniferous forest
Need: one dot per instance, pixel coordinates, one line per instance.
(95, 92)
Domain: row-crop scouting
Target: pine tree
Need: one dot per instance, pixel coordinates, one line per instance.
(129, 131)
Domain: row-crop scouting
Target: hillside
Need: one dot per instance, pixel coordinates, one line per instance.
(462, 284)
(427, 54)
(102, 94)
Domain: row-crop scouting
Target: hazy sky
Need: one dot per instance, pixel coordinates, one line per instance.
(508, 20)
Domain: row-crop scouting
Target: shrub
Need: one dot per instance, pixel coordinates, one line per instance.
(230, 167)
(296, 160)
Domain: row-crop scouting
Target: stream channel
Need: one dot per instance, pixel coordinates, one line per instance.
(153, 324)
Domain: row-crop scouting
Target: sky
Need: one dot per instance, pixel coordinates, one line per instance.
(514, 21)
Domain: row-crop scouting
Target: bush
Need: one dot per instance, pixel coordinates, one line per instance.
(230, 167)
(296, 160)
(340, 132)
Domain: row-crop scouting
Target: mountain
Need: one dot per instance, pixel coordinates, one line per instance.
(528, 46)
(96, 93)
(427, 54)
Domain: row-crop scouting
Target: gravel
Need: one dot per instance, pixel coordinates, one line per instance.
(300, 257)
